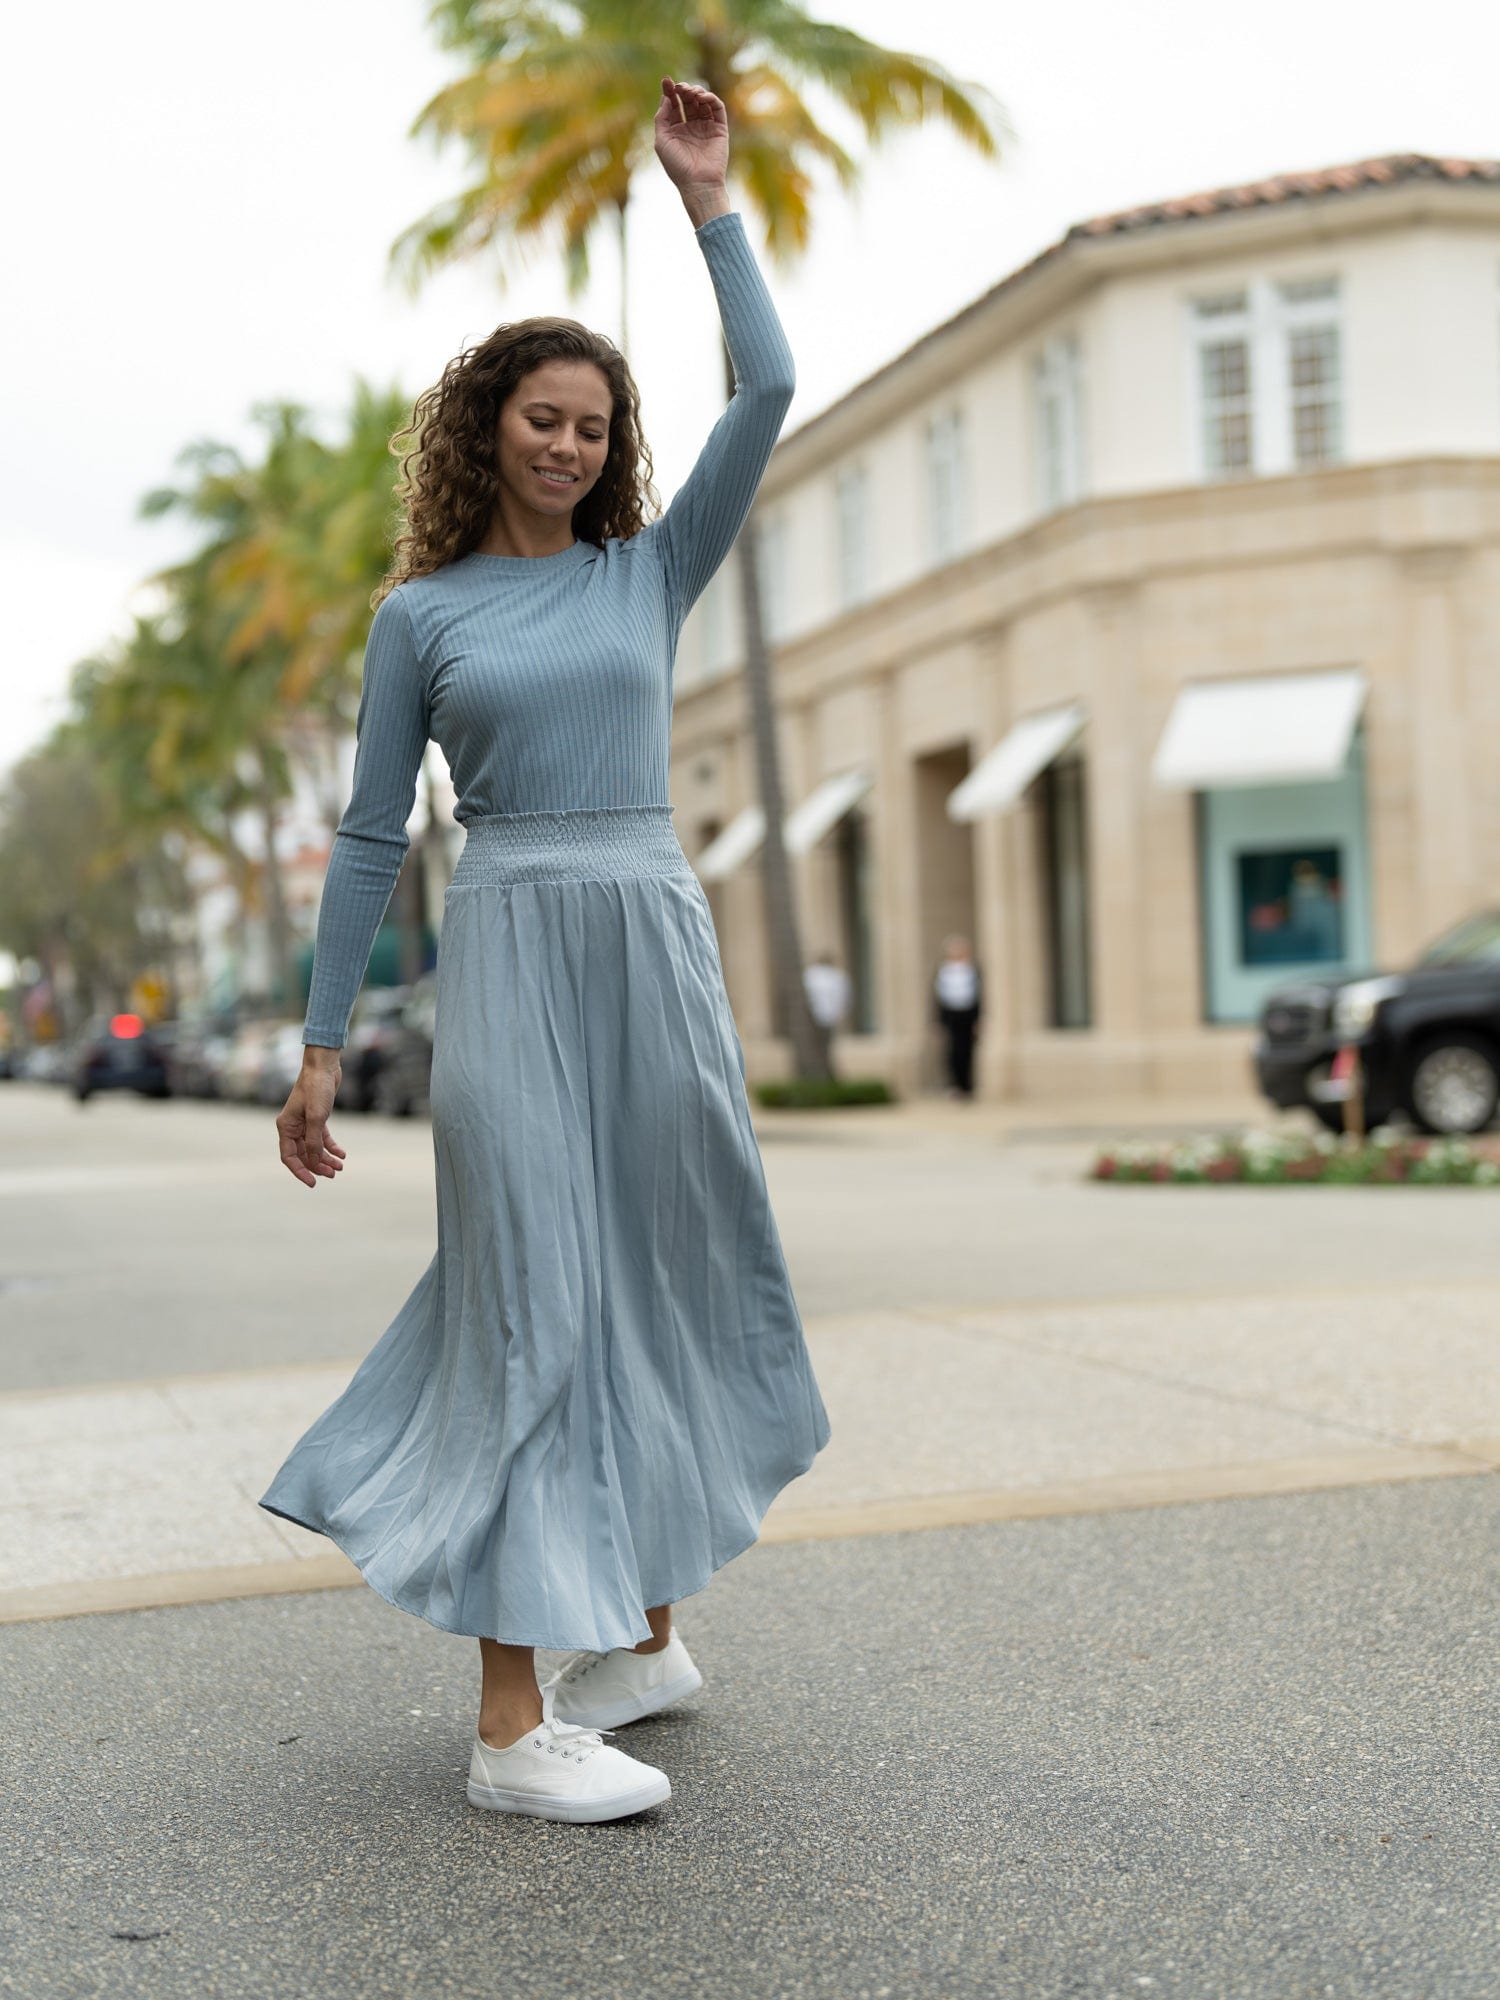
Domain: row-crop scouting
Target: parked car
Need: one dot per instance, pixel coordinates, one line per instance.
(197, 1054)
(406, 1074)
(239, 1077)
(280, 1064)
(1427, 1039)
(117, 1052)
(45, 1062)
(374, 1030)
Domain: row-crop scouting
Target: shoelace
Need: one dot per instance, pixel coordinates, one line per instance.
(585, 1741)
(579, 1665)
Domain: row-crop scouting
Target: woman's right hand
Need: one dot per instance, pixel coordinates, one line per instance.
(308, 1149)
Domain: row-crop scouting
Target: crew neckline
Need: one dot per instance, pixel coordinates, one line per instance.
(575, 552)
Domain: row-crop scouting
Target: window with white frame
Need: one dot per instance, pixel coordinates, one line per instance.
(774, 552)
(947, 482)
(1057, 403)
(852, 508)
(1269, 377)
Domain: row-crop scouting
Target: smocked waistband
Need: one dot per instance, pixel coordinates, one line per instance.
(593, 843)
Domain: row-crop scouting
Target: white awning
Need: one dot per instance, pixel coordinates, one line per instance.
(999, 779)
(1272, 729)
(822, 809)
(735, 844)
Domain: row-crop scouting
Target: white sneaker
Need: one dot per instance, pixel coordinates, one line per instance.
(603, 1690)
(558, 1771)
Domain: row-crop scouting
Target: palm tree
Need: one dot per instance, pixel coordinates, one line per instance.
(273, 610)
(549, 111)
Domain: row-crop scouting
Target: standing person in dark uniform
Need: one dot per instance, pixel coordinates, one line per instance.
(958, 999)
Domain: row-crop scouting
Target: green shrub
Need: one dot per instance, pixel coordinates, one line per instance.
(823, 1093)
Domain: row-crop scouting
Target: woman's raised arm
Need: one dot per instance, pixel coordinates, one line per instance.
(707, 512)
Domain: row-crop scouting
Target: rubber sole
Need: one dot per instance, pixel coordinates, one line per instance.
(637, 1707)
(586, 1811)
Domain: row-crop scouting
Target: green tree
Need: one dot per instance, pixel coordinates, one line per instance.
(552, 113)
(257, 656)
(84, 889)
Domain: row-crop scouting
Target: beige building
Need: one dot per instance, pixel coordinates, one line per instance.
(1142, 622)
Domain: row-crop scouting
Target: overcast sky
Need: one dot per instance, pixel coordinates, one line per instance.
(200, 200)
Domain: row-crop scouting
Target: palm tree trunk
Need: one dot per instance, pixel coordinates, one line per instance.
(782, 941)
(278, 927)
(622, 225)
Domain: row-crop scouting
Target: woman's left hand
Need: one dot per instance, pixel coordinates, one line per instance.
(692, 143)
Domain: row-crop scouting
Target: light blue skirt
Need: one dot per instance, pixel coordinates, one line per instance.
(600, 1383)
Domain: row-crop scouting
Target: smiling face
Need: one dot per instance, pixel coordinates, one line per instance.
(555, 420)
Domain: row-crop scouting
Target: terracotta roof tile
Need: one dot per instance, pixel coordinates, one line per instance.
(1323, 181)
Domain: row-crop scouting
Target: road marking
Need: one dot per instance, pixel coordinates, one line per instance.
(1114, 1493)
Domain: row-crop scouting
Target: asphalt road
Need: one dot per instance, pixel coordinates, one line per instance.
(1244, 1750)
(1238, 1750)
(140, 1239)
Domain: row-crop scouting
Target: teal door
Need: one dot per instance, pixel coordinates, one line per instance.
(1285, 887)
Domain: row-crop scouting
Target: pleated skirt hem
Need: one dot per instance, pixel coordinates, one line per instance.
(596, 1640)
(599, 1385)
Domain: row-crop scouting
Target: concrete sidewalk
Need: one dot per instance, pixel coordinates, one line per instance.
(141, 1494)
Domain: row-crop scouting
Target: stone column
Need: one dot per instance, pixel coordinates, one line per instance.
(899, 982)
(1443, 740)
(997, 942)
(1119, 753)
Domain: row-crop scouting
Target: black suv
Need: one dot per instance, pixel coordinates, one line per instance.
(1428, 1039)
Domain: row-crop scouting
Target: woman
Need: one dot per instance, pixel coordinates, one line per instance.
(600, 1382)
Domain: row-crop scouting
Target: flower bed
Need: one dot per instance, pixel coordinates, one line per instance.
(1269, 1159)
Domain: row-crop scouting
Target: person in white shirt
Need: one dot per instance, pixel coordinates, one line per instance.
(829, 993)
(958, 1001)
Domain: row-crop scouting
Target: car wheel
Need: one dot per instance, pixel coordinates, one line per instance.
(1454, 1085)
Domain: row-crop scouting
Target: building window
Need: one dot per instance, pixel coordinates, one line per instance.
(1284, 886)
(1269, 378)
(852, 852)
(852, 499)
(1057, 401)
(1065, 894)
(774, 554)
(947, 483)
(1224, 386)
(1313, 354)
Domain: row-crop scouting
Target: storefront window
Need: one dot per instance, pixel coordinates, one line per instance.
(853, 859)
(1291, 903)
(1285, 884)
(1065, 894)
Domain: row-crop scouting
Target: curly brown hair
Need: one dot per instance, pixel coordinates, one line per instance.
(447, 487)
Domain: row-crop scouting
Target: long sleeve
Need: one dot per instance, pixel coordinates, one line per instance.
(370, 844)
(698, 528)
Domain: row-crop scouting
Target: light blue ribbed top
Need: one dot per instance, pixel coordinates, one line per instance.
(545, 680)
